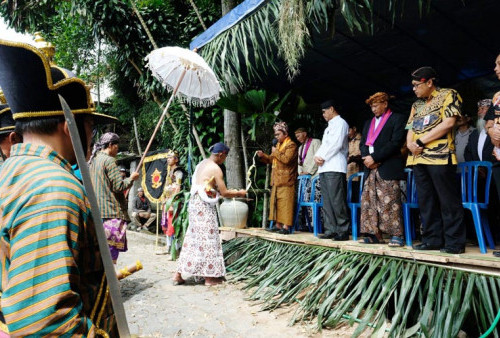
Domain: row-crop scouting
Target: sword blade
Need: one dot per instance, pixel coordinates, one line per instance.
(114, 288)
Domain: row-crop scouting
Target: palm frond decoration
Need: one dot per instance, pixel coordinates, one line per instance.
(247, 51)
(293, 34)
(386, 295)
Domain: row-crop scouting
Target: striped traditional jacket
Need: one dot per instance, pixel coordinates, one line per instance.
(109, 186)
(51, 269)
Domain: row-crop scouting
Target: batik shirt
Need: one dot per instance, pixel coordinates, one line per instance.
(109, 187)
(50, 264)
(425, 116)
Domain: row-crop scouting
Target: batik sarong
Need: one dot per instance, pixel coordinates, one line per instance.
(381, 206)
(201, 253)
(116, 233)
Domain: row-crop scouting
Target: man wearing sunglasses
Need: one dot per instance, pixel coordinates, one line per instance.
(430, 140)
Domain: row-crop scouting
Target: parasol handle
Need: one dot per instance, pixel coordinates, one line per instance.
(160, 121)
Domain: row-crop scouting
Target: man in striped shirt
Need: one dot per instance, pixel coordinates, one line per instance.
(109, 186)
(52, 279)
(8, 137)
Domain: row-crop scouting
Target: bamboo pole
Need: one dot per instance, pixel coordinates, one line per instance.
(195, 132)
(137, 136)
(266, 204)
(198, 14)
(244, 147)
(148, 32)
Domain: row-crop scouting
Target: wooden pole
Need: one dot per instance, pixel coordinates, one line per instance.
(137, 136)
(266, 204)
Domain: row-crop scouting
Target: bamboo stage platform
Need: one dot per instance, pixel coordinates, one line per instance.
(472, 260)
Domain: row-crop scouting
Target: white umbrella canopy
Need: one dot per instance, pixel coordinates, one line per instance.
(187, 75)
(198, 86)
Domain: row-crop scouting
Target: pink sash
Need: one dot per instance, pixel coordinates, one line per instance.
(374, 132)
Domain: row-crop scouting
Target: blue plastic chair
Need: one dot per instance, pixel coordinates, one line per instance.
(411, 203)
(469, 172)
(355, 206)
(316, 221)
(303, 180)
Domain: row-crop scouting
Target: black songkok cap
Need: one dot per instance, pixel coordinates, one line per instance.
(7, 123)
(327, 104)
(424, 74)
(32, 86)
(219, 148)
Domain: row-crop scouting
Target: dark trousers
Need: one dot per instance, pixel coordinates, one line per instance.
(495, 173)
(440, 205)
(333, 190)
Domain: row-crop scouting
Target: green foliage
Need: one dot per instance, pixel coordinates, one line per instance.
(388, 296)
(77, 27)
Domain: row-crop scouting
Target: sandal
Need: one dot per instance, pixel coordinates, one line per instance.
(371, 239)
(396, 241)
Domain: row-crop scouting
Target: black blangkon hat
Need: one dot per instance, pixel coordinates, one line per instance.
(7, 123)
(26, 78)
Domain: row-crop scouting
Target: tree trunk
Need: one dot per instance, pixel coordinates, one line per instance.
(232, 133)
(232, 137)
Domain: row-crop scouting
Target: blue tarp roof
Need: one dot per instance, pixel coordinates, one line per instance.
(227, 21)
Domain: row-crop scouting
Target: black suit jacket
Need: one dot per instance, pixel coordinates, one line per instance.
(387, 147)
(471, 153)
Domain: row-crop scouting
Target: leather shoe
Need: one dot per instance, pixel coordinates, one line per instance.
(326, 236)
(452, 250)
(426, 246)
(273, 230)
(344, 237)
(284, 232)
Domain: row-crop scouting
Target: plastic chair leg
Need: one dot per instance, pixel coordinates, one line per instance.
(486, 227)
(315, 217)
(354, 222)
(476, 216)
(309, 223)
(407, 224)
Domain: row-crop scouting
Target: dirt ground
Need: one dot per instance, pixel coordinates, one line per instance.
(157, 308)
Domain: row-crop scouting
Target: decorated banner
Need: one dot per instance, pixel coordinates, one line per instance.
(154, 172)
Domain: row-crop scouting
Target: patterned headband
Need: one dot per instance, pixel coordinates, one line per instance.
(282, 126)
(484, 103)
(378, 97)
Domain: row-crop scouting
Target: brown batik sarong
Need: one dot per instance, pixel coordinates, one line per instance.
(381, 206)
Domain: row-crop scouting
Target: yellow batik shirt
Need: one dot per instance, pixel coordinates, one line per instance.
(425, 116)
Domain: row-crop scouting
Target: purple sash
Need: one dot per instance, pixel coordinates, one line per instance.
(304, 151)
(374, 132)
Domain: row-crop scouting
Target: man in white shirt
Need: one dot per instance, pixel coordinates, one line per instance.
(331, 158)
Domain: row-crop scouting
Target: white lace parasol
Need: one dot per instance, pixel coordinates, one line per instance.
(196, 81)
